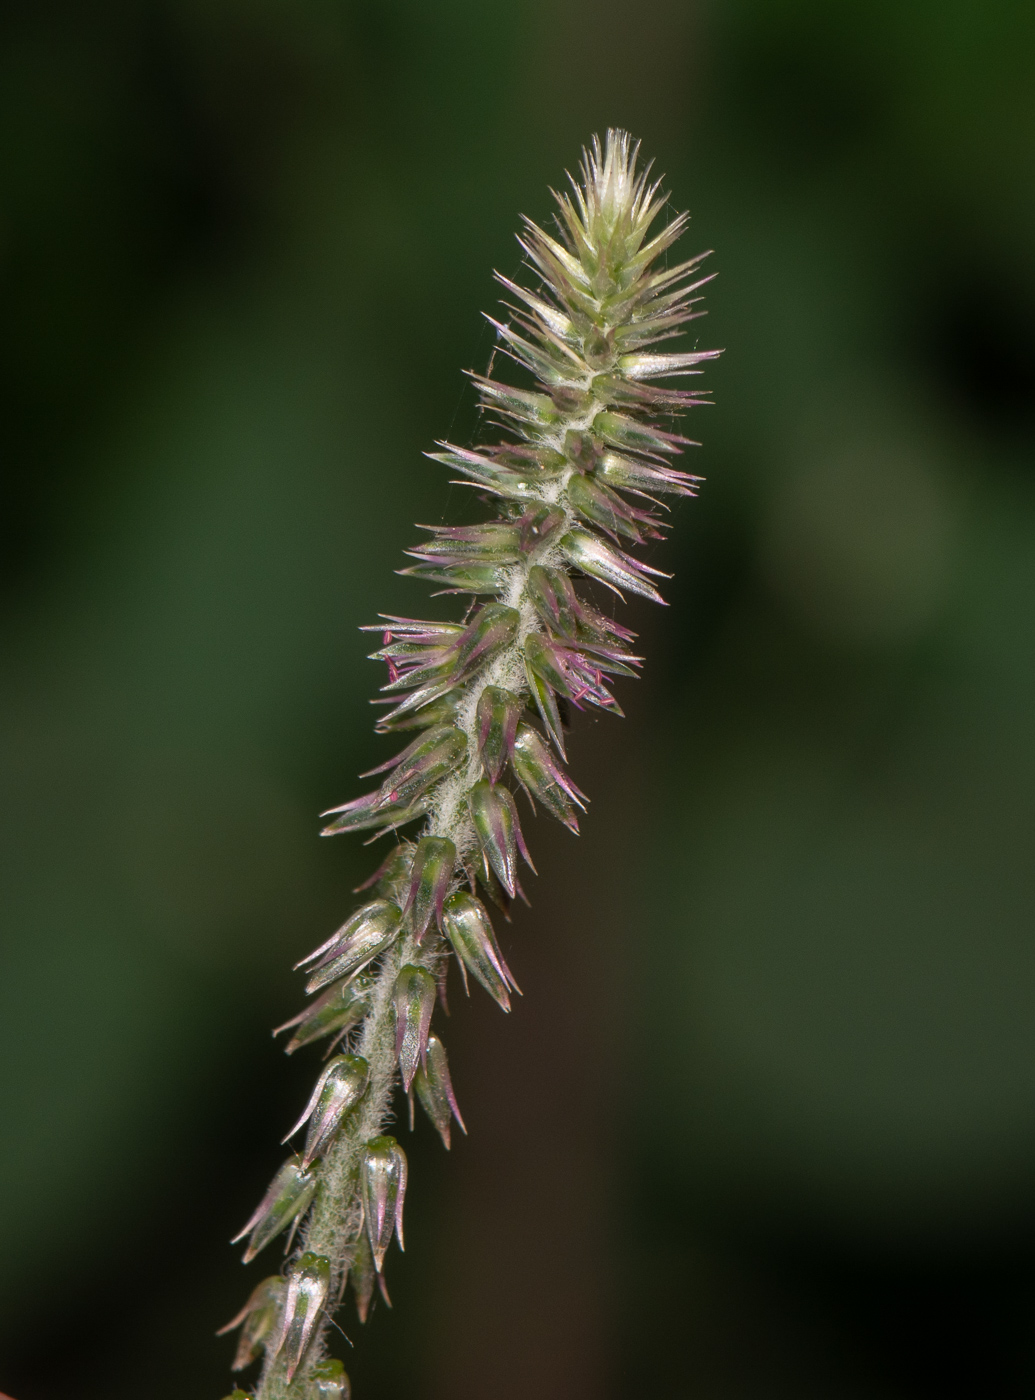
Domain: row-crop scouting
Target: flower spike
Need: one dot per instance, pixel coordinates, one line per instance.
(577, 461)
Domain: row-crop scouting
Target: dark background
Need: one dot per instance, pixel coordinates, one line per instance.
(763, 1124)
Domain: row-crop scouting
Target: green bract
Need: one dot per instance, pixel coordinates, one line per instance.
(338, 1091)
(584, 447)
(259, 1321)
(435, 1089)
(305, 1298)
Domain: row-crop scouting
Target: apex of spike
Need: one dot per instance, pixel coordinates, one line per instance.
(610, 185)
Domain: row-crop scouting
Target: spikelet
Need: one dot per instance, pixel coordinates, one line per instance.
(581, 453)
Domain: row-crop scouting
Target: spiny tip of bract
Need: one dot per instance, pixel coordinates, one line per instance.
(610, 183)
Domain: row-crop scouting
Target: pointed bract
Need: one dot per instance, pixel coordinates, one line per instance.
(308, 1283)
(375, 913)
(496, 720)
(463, 544)
(440, 709)
(290, 1193)
(555, 600)
(577, 672)
(416, 747)
(391, 877)
(367, 811)
(495, 828)
(427, 761)
(258, 1320)
(431, 874)
(499, 832)
(546, 703)
(435, 1089)
(543, 778)
(367, 934)
(414, 1001)
(382, 1174)
(493, 627)
(613, 567)
(338, 1091)
(468, 929)
(363, 1275)
(545, 659)
(598, 505)
(458, 578)
(334, 1013)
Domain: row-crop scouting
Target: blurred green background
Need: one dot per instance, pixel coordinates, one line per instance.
(763, 1124)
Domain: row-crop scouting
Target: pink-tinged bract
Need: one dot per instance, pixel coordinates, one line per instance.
(435, 1089)
(338, 1091)
(334, 1013)
(469, 931)
(542, 777)
(308, 1283)
(382, 1174)
(367, 934)
(496, 719)
(258, 1320)
(290, 1194)
(431, 873)
(414, 998)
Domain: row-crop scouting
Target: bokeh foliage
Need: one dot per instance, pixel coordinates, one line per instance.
(788, 1050)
